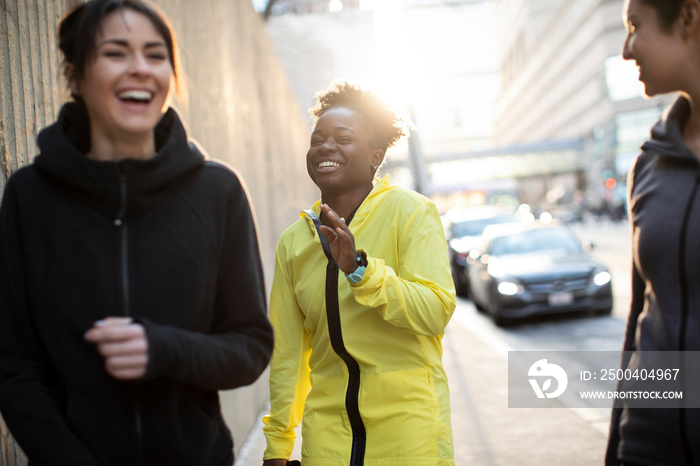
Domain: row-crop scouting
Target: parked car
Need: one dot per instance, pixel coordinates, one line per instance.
(463, 232)
(526, 270)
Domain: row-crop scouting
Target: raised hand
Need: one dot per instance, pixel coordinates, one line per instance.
(341, 240)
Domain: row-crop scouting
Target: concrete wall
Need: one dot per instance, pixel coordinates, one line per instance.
(240, 109)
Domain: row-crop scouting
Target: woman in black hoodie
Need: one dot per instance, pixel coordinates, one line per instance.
(664, 206)
(131, 287)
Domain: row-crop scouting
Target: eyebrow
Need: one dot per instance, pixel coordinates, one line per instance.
(125, 43)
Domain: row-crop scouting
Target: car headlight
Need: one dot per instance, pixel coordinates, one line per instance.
(602, 278)
(509, 288)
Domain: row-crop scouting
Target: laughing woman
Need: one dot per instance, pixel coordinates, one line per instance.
(130, 280)
(664, 205)
(360, 300)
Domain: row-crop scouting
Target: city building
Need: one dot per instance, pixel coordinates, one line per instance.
(566, 85)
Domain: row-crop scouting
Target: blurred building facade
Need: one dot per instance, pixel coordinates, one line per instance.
(527, 97)
(564, 82)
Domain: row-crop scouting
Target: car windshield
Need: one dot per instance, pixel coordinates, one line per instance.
(476, 227)
(536, 240)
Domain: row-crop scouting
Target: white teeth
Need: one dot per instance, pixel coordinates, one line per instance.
(328, 164)
(135, 95)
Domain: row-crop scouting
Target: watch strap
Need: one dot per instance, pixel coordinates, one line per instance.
(356, 276)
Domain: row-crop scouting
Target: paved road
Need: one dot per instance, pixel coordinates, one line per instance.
(488, 432)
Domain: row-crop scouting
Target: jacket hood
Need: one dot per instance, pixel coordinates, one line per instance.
(63, 146)
(667, 133)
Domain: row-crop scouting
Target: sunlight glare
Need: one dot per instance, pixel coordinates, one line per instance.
(334, 6)
(396, 75)
(367, 5)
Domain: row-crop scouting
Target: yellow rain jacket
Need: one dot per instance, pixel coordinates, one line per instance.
(392, 324)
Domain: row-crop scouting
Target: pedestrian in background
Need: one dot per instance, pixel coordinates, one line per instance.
(664, 210)
(131, 287)
(358, 355)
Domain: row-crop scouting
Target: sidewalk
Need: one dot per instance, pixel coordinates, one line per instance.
(486, 432)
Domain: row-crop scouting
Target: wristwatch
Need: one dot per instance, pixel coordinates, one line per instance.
(356, 276)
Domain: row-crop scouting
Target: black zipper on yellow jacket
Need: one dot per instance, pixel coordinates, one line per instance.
(335, 331)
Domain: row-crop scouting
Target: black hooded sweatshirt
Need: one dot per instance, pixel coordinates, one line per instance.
(664, 209)
(171, 242)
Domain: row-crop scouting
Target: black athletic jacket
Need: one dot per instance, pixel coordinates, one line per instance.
(171, 242)
(664, 208)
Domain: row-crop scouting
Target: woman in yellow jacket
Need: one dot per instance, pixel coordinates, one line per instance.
(358, 353)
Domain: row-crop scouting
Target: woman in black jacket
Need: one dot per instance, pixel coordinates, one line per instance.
(131, 287)
(664, 206)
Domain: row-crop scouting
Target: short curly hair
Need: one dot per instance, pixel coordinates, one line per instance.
(388, 124)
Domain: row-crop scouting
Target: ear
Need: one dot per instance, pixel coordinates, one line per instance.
(690, 18)
(73, 87)
(377, 158)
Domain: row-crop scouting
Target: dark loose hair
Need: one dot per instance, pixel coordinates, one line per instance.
(78, 30)
(667, 10)
(387, 122)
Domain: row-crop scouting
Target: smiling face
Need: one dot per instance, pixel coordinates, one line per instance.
(128, 82)
(343, 154)
(659, 52)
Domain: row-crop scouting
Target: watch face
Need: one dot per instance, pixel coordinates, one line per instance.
(362, 258)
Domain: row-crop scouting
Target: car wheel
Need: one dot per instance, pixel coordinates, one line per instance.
(461, 287)
(502, 321)
(498, 319)
(605, 311)
(477, 304)
(495, 313)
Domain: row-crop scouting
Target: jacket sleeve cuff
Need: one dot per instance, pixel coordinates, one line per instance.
(157, 361)
(278, 447)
